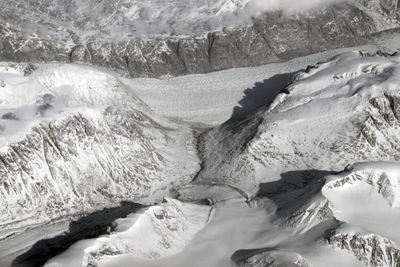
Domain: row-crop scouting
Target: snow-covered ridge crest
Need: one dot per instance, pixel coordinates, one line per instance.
(72, 85)
(351, 72)
(383, 177)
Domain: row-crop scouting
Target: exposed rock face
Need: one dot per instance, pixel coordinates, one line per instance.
(389, 8)
(271, 38)
(79, 163)
(372, 249)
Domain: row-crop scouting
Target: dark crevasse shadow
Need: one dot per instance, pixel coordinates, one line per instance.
(89, 226)
(261, 95)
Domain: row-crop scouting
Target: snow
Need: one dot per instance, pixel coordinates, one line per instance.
(68, 87)
(74, 85)
(323, 114)
(335, 114)
(210, 98)
(232, 227)
(356, 198)
(158, 232)
(78, 140)
(235, 226)
(132, 18)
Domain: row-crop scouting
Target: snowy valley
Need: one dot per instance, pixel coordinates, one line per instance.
(242, 134)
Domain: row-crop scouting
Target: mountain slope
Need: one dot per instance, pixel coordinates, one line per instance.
(109, 34)
(344, 110)
(362, 219)
(158, 232)
(75, 140)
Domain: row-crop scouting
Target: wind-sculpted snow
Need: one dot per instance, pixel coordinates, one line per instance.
(344, 110)
(160, 231)
(74, 140)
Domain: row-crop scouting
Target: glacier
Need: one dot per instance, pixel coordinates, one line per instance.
(302, 191)
(242, 134)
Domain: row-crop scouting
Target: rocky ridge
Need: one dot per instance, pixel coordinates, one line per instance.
(273, 37)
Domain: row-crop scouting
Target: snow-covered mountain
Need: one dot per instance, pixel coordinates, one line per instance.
(358, 215)
(110, 34)
(344, 110)
(337, 112)
(304, 173)
(331, 115)
(75, 139)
